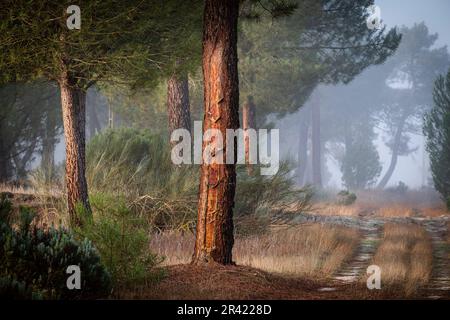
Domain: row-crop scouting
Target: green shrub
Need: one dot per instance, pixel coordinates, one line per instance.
(401, 188)
(122, 239)
(12, 289)
(5, 208)
(258, 194)
(136, 164)
(34, 262)
(346, 198)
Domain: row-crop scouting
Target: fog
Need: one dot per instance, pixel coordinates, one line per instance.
(412, 169)
(369, 105)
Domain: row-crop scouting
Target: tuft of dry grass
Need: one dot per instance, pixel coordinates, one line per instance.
(16, 189)
(395, 210)
(331, 209)
(308, 250)
(405, 257)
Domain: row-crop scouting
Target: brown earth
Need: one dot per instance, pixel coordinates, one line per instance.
(241, 283)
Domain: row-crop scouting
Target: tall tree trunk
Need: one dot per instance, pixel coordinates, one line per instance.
(73, 102)
(178, 109)
(48, 145)
(249, 122)
(93, 122)
(5, 160)
(394, 157)
(214, 239)
(22, 160)
(302, 152)
(316, 147)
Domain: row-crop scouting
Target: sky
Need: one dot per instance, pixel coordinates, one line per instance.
(435, 14)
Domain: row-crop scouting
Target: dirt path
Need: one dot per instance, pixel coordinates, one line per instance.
(371, 228)
(439, 285)
(356, 267)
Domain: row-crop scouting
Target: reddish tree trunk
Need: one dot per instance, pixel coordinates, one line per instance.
(248, 119)
(73, 102)
(316, 144)
(178, 103)
(214, 239)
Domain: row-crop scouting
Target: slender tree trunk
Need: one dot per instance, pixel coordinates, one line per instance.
(178, 109)
(316, 147)
(249, 122)
(93, 122)
(5, 161)
(394, 157)
(73, 102)
(20, 162)
(214, 239)
(48, 145)
(302, 152)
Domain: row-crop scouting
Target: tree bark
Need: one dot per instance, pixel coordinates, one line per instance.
(178, 103)
(214, 238)
(249, 122)
(316, 143)
(73, 102)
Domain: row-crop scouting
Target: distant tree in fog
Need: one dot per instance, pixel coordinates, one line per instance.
(437, 131)
(410, 84)
(117, 41)
(29, 124)
(282, 62)
(360, 165)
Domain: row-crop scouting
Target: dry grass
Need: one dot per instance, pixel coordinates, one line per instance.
(310, 250)
(396, 210)
(16, 189)
(435, 211)
(331, 209)
(405, 258)
(313, 250)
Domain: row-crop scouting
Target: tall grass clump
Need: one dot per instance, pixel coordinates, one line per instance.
(134, 162)
(136, 165)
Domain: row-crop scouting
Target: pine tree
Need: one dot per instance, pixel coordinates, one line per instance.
(116, 40)
(437, 131)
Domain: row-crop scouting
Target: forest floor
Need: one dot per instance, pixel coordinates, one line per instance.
(320, 254)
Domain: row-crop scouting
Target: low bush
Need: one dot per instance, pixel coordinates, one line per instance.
(137, 165)
(33, 261)
(346, 198)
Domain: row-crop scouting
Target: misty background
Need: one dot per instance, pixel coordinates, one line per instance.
(411, 168)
